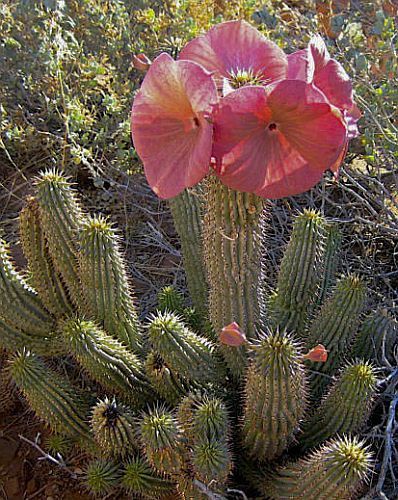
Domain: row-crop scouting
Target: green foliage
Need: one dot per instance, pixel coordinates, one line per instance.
(275, 396)
(336, 471)
(113, 428)
(102, 477)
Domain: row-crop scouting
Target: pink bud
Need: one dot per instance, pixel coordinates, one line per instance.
(141, 62)
(232, 335)
(317, 353)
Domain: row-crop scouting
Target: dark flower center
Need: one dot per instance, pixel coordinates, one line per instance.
(196, 121)
(272, 126)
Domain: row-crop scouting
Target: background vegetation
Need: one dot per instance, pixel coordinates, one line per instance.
(66, 88)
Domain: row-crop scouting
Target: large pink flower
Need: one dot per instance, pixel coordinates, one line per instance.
(236, 54)
(170, 127)
(276, 141)
(314, 65)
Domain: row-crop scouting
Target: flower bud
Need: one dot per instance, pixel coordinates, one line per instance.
(232, 335)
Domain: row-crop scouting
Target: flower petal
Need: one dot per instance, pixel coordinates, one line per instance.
(234, 46)
(308, 122)
(169, 129)
(276, 142)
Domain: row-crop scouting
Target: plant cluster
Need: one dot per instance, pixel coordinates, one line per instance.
(170, 416)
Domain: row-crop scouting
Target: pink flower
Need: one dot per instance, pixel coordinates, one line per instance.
(314, 65)
(237, 54)
(170, 127)
(141, 62)
(317, 354)
(232, 335)
(276, 141)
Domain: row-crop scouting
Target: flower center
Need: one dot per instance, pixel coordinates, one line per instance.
(196, 121)
(272, 126)
(241, 77)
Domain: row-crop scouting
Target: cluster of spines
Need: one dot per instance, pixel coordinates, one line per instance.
(336, 471)
(113, 428)
(205, 423)
(275, 396)
(161, 440)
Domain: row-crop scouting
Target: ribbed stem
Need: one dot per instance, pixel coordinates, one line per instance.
(14, 339)
(160, 438)
(52, 397)
(186, 209)
(106, 292)
(113, 428)
(167, 384)
(335, 328)
(20, 306)
(61, 218)
(42, 274)
(187, 354)
(346, 407)
(377, 332)
(232, 247)
(107, 360)
(330, 262)
(275, 397)
(299, 273)
(335, 472)
(8, 396)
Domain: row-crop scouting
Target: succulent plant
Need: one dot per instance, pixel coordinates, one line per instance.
(336, 471)
(106, 292)
(299, 273)
(170, 418)
(345, 408)
(114, 429)
(275, 396)
(52, 397)
(186, 209)
(102, 477)
(232, 236)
